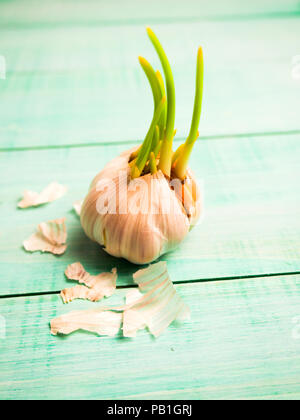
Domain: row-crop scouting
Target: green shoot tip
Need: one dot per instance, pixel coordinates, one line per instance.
(142, 60)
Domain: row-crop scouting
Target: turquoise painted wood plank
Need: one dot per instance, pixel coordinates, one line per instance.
(62, 12)
(79, 85)
(242, 342)
(251, 223)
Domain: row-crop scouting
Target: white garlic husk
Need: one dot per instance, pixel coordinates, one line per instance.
(139, 219)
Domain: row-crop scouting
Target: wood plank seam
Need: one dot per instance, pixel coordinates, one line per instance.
(119, 287)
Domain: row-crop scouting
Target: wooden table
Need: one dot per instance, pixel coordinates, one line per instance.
(74, 96)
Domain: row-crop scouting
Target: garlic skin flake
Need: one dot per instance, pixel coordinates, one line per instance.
(50, 237)
(155, 305)
(77, 206)
(101, 322)
(77, 292)
(158, 305)
(32, 199)
(139, 219)
(95, 287)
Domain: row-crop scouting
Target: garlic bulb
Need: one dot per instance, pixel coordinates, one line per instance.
(144, 202)
(139, 219)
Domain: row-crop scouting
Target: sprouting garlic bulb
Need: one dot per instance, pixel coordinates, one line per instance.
(139, 219)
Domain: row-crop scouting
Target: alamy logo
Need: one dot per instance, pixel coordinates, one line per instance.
(2, 327)
(2, 67)
(295, 72)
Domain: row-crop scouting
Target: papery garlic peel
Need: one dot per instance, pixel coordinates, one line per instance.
(144, 202)
(94, 288)
(51, 237)
(52, 192)
(155, 305)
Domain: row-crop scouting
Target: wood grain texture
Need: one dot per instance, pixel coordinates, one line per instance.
(242, 342)
(251, 223)
(73, 79)
(84, 84)
(115, 12)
